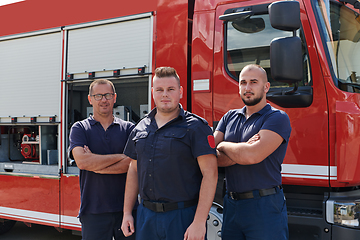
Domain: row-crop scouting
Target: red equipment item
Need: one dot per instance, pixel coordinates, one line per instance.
(29, 147)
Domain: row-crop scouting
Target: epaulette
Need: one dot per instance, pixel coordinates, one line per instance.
(198, 117)
(145, 116)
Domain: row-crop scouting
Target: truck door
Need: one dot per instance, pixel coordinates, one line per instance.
(244, 41)
(30, 74)
(119, 50)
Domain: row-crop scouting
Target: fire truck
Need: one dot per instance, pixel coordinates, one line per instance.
(50, 52)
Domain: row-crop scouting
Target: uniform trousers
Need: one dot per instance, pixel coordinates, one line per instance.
(105, 226)
(258, 218)
(170, 225)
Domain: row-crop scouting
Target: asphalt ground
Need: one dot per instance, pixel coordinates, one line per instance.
(37, 232)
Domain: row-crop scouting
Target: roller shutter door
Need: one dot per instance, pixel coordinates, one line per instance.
(125, 44)
(30, 74)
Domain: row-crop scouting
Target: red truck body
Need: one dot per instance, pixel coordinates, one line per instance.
(322, 164)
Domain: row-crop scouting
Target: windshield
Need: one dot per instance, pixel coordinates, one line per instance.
(341, 30)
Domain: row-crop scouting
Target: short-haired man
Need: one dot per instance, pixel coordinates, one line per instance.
(97, 144)
(174, 168)
(251, 144)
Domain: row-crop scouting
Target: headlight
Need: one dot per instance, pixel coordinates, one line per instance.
(344, 213)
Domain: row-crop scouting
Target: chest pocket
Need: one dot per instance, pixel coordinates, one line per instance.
(140, 140)
(177, 142)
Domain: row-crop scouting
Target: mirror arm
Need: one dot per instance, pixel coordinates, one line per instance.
(291, 92)
(237, 15)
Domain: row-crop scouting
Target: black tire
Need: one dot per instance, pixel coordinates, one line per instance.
(6, 225)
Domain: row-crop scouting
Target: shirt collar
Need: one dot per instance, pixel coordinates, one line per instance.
(92, 121)
(181, 114)
(267, 107)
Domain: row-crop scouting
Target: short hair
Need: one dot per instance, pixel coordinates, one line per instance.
(255, 66)
(162, 72)
(101, 81)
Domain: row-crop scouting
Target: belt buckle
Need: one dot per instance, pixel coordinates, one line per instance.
(232, 196)
(159, 207)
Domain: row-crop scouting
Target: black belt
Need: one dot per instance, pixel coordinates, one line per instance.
(250, 194)
(165, 207)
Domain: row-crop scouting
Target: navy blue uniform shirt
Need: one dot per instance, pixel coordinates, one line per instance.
(101, 193)
(236, 128)
(166, 157)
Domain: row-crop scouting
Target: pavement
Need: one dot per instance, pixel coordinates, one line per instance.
(37, 232)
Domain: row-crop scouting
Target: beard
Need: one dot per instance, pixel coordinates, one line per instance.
(252, 102)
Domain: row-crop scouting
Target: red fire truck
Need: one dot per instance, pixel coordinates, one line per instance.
(50, 51)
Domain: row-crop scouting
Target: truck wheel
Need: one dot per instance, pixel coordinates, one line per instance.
(6, 225)
(214, 222)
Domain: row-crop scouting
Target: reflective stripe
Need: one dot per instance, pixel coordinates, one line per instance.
(39, 217)
(201, 85)
(309, 171)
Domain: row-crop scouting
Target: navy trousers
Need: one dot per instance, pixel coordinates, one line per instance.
(258, 218)
(170, 225)
(103, 226)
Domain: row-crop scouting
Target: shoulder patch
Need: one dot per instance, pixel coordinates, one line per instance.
(211, 141)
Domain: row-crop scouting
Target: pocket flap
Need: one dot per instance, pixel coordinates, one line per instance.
(176, 134)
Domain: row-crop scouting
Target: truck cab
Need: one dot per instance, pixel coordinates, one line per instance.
(321, 164)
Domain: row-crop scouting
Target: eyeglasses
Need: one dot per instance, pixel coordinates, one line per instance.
(107, 96)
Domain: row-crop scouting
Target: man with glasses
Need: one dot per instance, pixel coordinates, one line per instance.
(97, 144)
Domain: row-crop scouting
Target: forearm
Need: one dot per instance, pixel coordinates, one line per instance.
(131, 188)
(86, 160)
(223, 160)
(116, 168)
(131, 192)
(240, 153)
(206, 197)
(197, 228)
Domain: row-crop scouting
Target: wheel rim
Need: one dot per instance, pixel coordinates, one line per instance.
(214, 222)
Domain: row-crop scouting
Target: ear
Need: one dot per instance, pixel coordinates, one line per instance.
(115, 95)
(181, 92)
(267, 87)
(89, 99)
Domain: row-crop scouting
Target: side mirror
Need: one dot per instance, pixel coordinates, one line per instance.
(285, 15)
(286, 59)
(286, 53)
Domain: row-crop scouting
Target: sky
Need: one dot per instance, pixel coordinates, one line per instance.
(6, 2)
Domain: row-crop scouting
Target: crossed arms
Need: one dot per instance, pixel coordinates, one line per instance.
(104, 164)
(255, 150)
